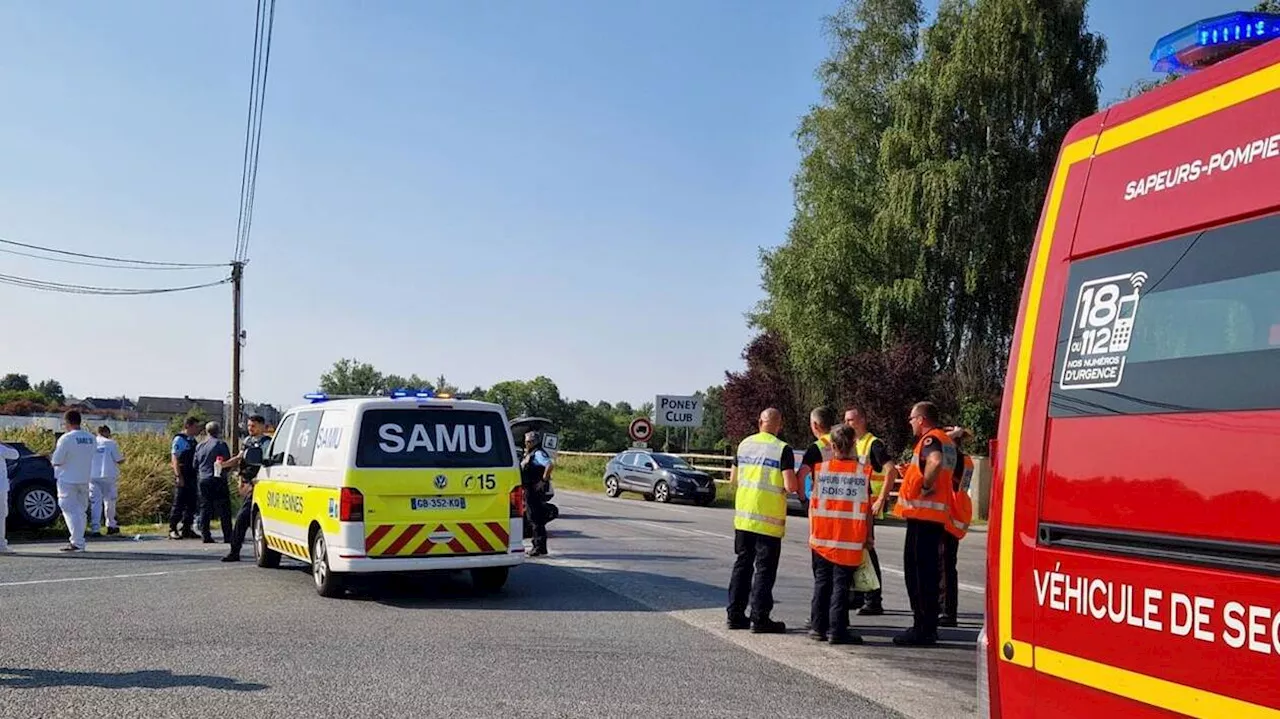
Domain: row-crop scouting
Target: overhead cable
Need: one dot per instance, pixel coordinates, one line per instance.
(91, 290)
(253, 124)
(120, 260)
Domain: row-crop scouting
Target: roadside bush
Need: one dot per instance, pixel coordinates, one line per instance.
(146, 482)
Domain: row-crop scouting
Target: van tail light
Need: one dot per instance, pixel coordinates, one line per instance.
(517, 502)
(350, 505)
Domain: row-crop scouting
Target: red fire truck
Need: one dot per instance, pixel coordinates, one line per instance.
(1134, 566)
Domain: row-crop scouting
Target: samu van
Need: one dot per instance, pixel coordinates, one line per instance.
(405, 483)
(1134, 565)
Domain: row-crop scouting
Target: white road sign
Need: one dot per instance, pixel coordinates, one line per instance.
(677, 411)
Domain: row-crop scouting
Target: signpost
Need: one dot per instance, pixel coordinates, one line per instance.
(551, 444)
(641, 430)
(677, 411)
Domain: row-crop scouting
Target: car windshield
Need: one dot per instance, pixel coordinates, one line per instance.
(670, 461)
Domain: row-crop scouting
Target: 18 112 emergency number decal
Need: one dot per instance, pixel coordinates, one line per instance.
(1101, 329)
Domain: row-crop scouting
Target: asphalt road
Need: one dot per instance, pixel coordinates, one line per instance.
(625, 619)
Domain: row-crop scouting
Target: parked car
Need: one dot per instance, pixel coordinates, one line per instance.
(33, 493)
(797, 502)
(659, 477)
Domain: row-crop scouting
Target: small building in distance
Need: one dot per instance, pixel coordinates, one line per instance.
(166, 408)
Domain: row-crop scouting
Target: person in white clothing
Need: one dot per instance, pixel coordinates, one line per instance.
(102, 485)
(72, 465)
(6, 453)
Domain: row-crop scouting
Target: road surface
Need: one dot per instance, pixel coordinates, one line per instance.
(626, 619)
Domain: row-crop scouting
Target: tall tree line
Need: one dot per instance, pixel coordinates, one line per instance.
(582, 426)
(917, 199)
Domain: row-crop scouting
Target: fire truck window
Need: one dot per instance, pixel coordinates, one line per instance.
(1187, 324)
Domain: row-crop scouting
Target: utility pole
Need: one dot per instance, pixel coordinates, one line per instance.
(237, 338)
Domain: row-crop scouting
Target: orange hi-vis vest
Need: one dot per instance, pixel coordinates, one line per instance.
(936, 507)
(961, 502)
(839, 510)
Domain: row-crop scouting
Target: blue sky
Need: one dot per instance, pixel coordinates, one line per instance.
(488, 190)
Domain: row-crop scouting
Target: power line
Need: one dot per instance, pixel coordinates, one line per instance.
(253, 124)
(85, 263)
(91, 290)
(145, 263)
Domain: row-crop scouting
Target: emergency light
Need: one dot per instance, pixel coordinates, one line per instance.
(1205, 42)
(414, 393)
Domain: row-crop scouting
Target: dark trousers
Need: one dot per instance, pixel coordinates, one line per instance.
(215, 498)
(185, 500)
(874, 598)
(921, 560)
(241, 525)
(535, 513)
(829, 610)
(754, 572)
(948, 595)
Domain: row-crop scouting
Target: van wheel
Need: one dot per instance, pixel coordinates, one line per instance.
(265, 556)
(328, 582)
(611, 486)
(489, 579)
(662, 492)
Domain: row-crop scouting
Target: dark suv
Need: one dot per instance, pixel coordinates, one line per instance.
(657, 476)
(33, 493)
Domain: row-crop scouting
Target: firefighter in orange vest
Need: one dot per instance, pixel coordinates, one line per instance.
(924, 501)
(839, 515)
(957, 527)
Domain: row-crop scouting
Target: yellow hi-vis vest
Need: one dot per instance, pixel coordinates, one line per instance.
(760, 505)
(863, 449)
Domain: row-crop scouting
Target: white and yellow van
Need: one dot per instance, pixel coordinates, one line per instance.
(404, 483)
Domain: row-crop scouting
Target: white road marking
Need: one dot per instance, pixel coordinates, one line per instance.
(105, 577)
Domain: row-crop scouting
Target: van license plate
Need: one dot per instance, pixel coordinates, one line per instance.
(438, 503)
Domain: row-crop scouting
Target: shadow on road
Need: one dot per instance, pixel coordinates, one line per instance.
(535, 587)
(11, 678)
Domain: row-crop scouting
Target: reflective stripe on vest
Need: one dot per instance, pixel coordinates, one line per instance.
(838, 511)
(863, 448)
(760, 505)
(937, 506)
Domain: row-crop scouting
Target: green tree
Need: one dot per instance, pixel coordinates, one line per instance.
(178, 422)
(817, 280)
(1272, 6)
(351, 376)
(978, 124)
(52, 390)
(14, 382)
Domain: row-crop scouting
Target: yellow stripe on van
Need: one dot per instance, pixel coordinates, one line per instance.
(1121, 682)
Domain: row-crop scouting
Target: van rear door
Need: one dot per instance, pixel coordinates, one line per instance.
(436, 480)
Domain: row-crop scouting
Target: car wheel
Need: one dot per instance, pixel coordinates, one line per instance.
(662, 492)
(265, 556)
(36, 505)
(328, 582)
(489, 579)
(611, 486)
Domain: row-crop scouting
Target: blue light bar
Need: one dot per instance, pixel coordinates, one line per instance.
(1211, 40)
(414, 393)
(315, 397)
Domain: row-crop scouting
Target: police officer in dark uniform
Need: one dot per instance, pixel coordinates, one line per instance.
(185, 492)
(535, 471)
(248, 475)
